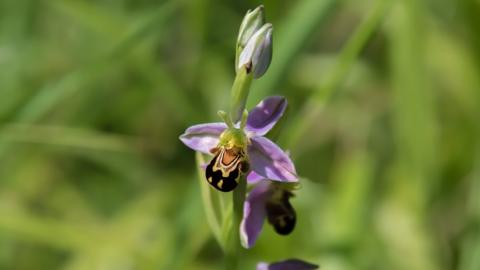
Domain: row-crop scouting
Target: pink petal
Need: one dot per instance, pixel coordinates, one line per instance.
(254, 214)
(269, 161)
(203, 137)
(265, 115)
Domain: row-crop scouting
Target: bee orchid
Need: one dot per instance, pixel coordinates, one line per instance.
(242, 148)
(270, 201)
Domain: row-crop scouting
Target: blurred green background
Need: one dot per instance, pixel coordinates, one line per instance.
(383, 126)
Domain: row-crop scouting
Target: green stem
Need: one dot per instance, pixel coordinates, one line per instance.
(232, 249)
(239, 93)
(211, 201)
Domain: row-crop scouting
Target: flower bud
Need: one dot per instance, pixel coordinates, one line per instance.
(257, 54)
(253, 20)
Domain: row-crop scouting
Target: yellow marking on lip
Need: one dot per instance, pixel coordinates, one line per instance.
(220, 184)
(209, 179)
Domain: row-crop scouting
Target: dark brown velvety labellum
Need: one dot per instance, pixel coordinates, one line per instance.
(281, 215)
(225, 169)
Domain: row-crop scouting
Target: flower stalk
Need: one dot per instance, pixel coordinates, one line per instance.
(233, 244)
(239, 93)
(256, 40)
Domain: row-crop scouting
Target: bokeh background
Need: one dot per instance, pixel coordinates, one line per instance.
(383, 125)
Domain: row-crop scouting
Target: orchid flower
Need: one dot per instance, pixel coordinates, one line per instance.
(265, 158)
(291, 264)
(267, 200)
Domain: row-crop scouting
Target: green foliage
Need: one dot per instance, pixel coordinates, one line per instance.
(383, 125)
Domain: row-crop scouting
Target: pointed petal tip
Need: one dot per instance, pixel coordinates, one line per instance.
(202, 137)
(263, 117)
(254, 213)
(271, 162)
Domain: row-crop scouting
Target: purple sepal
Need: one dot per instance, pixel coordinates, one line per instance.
(254, 214)
(291, 264)
(269, 161)
(266, 114)
(253, 177)
(203, 137)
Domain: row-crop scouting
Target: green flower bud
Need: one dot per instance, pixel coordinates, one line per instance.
(257, 54)
(253, 20)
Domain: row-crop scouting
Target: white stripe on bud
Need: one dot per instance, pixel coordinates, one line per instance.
(253, 20)
(257, 54)
(254, 43)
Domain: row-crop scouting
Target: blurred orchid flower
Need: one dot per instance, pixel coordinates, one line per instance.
(267, 200)
(291, 264)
